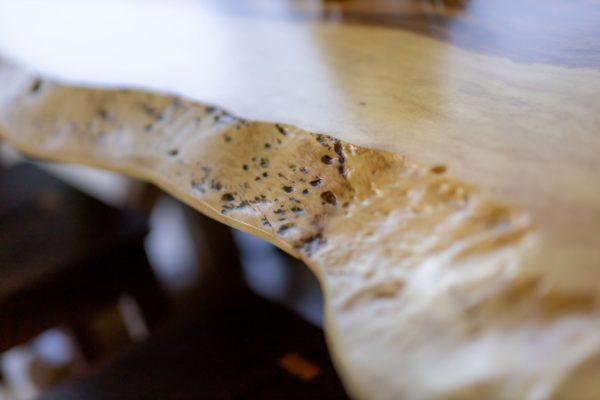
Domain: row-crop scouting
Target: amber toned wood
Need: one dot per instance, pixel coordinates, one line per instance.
(457, 242)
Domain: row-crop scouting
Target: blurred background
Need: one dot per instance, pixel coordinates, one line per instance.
(47, 214)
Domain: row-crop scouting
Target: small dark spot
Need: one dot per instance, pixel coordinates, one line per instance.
(279, 174)
(265, 222)
(342, 171)
(228, 197)
(173, 152)
(339, 150)
(216, 185)
(281, 129)
(209, 109)
(295, 200)
(227, 138)
(264, 162)
(197, 186)
(207, 171)
(253, 159)
(329, 197)
(104, 115)
(322, 140)
(257, 179)
(265, 174)
(267, 145)
(297, 210)
(326, 159)
(315, 182)
(279, 211)
(304, 170)
(36, 86)
(150, 111)
(243, 204)
(305, 191)
(312, 243)
(362, 103)
(438, 169)
(245, 167)
(284, 228)
(288, 189)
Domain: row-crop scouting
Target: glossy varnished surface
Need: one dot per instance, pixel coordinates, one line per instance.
(553, 32)
(502, 94)
(429, 286)
(514, 111)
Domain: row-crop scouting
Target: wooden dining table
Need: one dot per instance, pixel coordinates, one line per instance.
(435, 163)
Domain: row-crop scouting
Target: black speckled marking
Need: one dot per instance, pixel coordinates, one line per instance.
(104, 115)
(228, 197)
(284, 228)
(281, 129)
(35, 86)
(329, 197)
(326, 159)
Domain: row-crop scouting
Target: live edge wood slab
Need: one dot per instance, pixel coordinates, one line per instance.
(434, 163)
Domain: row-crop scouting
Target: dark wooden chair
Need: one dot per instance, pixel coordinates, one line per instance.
(65, 255)
(231, 344)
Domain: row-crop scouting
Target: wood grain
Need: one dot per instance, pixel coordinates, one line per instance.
(429, 285)
(502, 95)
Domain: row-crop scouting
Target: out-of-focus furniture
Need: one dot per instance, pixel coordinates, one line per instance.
(230, 344)
(64, 256)
(236, 347)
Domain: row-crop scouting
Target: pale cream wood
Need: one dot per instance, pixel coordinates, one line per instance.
(431, 285)
(480, 281)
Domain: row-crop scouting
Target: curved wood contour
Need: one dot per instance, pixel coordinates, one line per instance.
(514, 111)
(431, 286)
